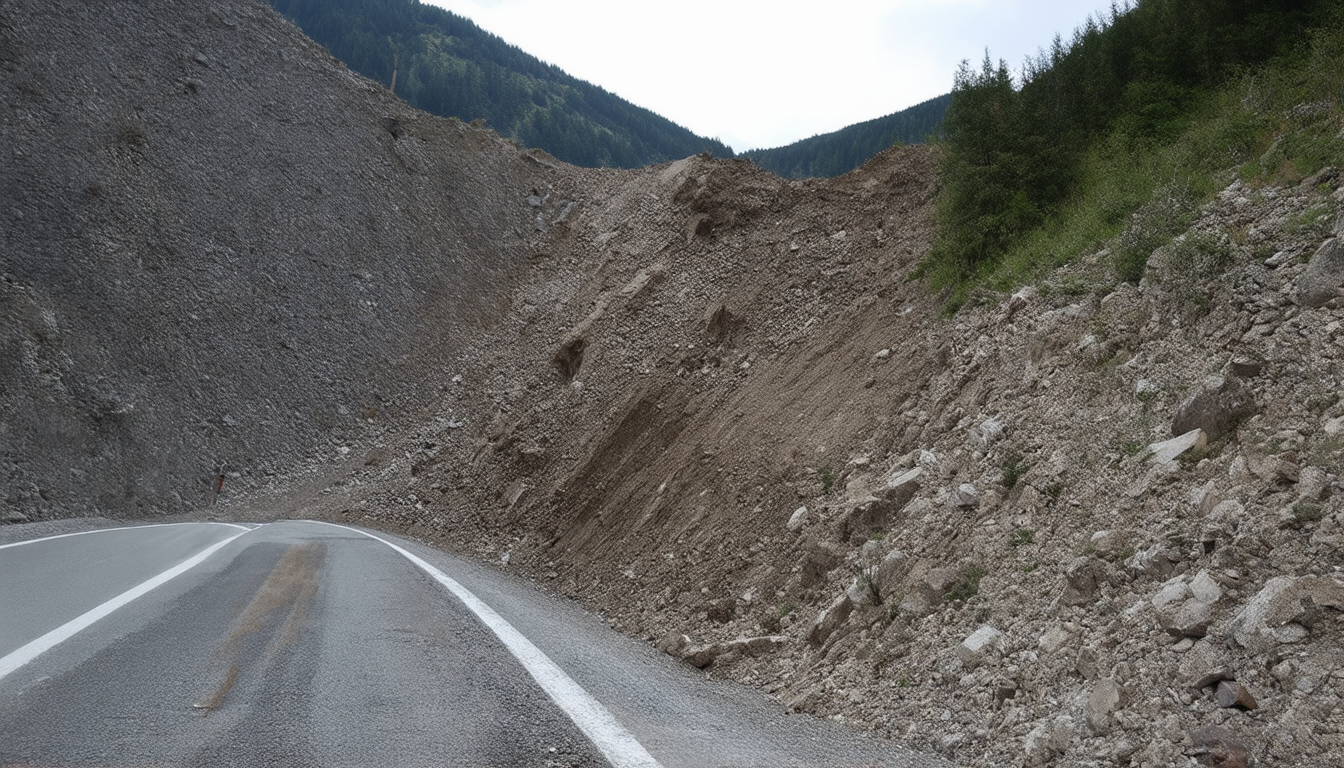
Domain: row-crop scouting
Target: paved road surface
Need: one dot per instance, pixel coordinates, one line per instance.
(308, 644)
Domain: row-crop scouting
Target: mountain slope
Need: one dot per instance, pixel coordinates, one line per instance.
(204, 271)
(448, 66)
(842, 151)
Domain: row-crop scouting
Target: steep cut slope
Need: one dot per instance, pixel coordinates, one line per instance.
(221, 250)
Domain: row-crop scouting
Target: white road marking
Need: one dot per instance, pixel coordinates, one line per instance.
(122, 528)
(67, 630)
(617, 744)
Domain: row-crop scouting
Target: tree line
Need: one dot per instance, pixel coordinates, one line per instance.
(842, 151)
(1014, 143)
(448, 66)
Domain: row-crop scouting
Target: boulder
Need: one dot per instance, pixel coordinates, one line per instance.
(705, 655)
(900, 487)
(964, 496)
(1048, 740)
(1323, 278)
(1082, 578)
(890, 572)
(1217, 407)
(1105, 698)
(1222, 748)
(1246, 366)
(831, 619)
(819, 559)
(935, 583)
(876, 512)
(1284, 610)
(1185, 606)
(1110, 544)
(982, 641)
(1233, 694)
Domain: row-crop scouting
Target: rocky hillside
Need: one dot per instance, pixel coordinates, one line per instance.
(1091, 523)
(222, 252)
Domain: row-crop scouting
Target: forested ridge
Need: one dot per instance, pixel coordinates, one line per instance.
(1137, 114)
(448, 66)
(832, 154)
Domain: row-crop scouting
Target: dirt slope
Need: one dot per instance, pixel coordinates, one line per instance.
(707, 402)
(221, 249)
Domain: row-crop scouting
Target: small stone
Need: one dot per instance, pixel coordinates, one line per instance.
(1168, 450)
(883, 354)
(798, 519)
(1233, 694)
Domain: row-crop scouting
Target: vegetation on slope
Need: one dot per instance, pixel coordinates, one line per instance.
(1126, 129)
(842, 151)
(447, 65)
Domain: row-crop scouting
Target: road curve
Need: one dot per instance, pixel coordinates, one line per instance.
(305, 643)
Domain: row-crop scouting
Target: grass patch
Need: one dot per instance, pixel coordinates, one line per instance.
(1021, 537)
(827, 480)
(968, 585)
(1014, 467)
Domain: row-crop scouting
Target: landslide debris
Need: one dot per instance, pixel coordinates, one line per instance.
(221, 253)
(1091, 523)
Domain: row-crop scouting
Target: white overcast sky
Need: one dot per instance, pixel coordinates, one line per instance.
(764, 73)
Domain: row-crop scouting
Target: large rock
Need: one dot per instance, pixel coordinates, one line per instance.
(1221, 746)
(1323, 279)
(1185, 606)
(1105, 698)
(830, 620)
(1217, 408)
(704, 655)
(1284, 610)
(875, 513)
(982, 641)
(819, 559)
(1048, 741)
(1082, 578)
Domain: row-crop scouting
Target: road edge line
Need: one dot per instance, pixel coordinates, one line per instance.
(119, 528)
(34, 648)
(617, 744)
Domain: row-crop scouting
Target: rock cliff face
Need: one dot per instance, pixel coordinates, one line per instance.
(1092, 523)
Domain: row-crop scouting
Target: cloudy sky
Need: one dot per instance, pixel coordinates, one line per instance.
(764, 73)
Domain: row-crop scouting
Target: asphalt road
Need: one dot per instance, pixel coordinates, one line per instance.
(308, 644)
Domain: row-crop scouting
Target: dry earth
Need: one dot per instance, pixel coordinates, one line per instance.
(709, 403)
